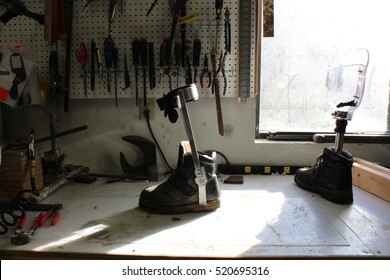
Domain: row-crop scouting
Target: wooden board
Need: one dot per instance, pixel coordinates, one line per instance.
(372, 178)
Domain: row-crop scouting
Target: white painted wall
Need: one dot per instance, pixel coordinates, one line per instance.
(99, 146)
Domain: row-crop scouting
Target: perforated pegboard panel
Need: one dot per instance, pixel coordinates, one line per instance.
(131, 21)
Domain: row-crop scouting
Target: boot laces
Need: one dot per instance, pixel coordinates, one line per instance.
(315, 168)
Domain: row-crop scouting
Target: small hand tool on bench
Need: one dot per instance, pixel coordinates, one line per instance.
(22, 237)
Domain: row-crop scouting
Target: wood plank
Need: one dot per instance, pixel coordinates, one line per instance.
(372, 178)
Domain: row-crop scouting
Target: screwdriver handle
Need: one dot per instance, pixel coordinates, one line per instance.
(115, 54)
(163, 50)
(196, 52)
(109, 46)
(144, 51)
(178, 53)
(127, 74)
(218, 8)
(168, 55)
(136, 51)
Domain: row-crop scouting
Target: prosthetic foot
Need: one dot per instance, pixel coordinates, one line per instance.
(330, 176)
(180, 193)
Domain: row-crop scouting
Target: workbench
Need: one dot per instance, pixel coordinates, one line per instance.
(266, 217)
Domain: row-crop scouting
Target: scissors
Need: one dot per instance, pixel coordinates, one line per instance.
(81, 55)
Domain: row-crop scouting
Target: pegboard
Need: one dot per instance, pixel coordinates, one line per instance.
(131, 21)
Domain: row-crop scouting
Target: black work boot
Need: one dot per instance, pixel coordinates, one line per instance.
(179, 194)
(330, 176)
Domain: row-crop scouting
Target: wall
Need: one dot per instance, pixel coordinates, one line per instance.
(98, 147)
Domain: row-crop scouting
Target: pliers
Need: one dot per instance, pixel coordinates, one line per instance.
(206, 72)
(54, 212)
(221, 68)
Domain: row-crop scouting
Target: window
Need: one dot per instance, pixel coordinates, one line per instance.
(303, 73)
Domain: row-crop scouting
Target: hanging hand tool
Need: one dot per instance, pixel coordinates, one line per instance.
(115, 57)
(99, 61)
(151, 7)
(196, 56)
(221, 68)
(136, 62)
(183, 27)
(178, 59)
(144, 63)
(111, 14)
(152, 66)
(188, 63)
(93, 51)
(218, 12)
(109, 46)
(162, 64)
(127, 75)
(81, 55)
(205, 72)
(56, 88)
(87, 4)
(228, 35)
(18, 8)
(213, 54)
(168, 62)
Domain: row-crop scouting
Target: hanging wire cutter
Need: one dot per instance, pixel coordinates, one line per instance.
(206, 72)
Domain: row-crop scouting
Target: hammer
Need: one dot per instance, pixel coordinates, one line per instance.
(22, 237)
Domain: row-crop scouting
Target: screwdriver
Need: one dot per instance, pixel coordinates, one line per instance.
(136, 63)
(93, 50)
(218, 8)
(218, 12)
(168, 60)
(178, 60)
(115, 54)
(127, 75)
(99, 61)
(144, 63)
(196, 56)
(163, 50)
(108, 55)
(152, 66)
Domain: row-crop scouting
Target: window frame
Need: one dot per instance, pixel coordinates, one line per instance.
(298, 136)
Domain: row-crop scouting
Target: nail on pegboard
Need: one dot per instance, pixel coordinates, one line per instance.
(131, 21)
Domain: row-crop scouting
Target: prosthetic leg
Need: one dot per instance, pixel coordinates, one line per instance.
(331, 175)
(193, 187)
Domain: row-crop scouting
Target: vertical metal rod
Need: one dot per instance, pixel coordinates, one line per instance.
(188, 128)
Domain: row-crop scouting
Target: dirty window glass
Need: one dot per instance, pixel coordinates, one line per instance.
(303, 76)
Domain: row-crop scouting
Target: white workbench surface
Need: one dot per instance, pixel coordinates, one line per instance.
(266, 217)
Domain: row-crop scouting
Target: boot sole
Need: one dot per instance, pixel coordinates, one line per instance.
(335, 196)
(211, 205)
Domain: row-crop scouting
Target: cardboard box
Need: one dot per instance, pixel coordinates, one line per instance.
(15, 174)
